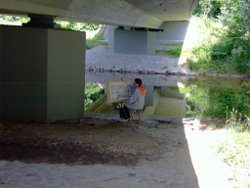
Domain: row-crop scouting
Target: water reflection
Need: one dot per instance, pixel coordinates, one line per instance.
(179, 96)
(166, 102)
(162, 97)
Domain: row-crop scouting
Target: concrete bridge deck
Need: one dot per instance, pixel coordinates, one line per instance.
(137, 13)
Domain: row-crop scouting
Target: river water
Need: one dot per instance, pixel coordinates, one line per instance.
(180, 96)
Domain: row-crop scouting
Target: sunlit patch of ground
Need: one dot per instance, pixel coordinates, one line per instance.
(205, 137)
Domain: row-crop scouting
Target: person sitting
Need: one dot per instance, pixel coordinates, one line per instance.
(137, 100)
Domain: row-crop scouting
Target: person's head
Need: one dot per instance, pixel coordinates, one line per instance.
(138, 82)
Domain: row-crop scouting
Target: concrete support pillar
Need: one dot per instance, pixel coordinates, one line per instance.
(41, 74)
(173, 31)
(111, 32)
(134, 41)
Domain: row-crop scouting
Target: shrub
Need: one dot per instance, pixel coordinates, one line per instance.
(215, 98)
(78, 26)
(92, 93)
(227, 49)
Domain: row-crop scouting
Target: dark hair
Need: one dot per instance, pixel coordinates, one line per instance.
(138, 81)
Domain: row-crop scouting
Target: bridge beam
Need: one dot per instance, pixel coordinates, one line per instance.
(41, 74)
(100, 11)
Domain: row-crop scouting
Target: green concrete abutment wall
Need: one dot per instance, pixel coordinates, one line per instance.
(42, 74)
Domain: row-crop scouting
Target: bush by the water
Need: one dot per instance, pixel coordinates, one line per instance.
(92, 93)
(217, 98)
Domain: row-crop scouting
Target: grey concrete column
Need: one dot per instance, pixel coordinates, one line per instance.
(42, 74)
(111, 31)
(173, 31)
(134, 41)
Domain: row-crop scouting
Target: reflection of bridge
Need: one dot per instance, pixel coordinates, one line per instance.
(42, 69)
(160, 100)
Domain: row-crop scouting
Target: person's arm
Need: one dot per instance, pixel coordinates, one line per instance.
(134, 97)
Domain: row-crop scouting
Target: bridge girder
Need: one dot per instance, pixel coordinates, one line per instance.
(136, 13)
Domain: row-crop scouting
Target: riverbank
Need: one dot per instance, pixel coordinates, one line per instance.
(99, 59)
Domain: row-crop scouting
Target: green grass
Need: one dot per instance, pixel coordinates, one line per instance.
(179, 44)
(93, 43)
(180, 89)
(174, 52)
(96, 41)
(235, 152)
(211, 126)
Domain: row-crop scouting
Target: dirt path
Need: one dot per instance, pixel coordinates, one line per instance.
(108, 154)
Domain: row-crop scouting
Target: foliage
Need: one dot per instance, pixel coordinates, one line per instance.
(227, 49)
(92, 93)
(95, 41)
(238, 121)
(90, 42)
(176, 44)
(174, 52)
(208, 8)
(197, 100)
(77, 26)
(13, 19)
(184, 90)
(216, 98)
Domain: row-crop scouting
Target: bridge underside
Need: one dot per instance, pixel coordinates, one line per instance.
(42, 69)
(136, 13)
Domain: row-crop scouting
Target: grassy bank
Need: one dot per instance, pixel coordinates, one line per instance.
(173, 52)
(228, 100)
(234, 151)
(224, 44)
(220, 50)
(176, 49)
(97, 40)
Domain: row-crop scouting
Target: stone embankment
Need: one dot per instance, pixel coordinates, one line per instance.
(99, 59)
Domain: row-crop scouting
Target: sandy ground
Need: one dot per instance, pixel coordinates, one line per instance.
(163, 153)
